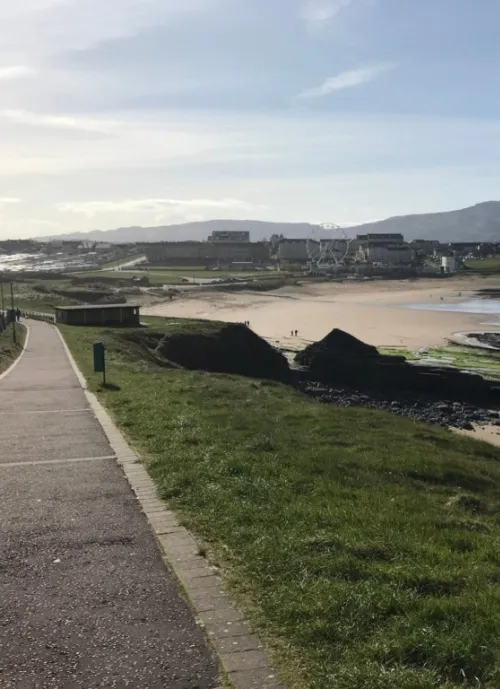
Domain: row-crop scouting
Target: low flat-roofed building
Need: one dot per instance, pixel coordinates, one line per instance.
(380, 238)
(390, 254)
(206, 253)
(293, 250)
(229, 236)
(116, 315)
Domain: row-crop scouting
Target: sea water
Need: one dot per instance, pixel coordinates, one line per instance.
(488, 307)
(42, 262)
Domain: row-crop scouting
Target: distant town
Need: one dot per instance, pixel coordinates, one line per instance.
(364, 254)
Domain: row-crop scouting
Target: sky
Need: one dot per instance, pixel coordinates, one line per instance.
(150, 112)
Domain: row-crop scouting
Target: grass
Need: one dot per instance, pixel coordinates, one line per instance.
(39, 305)
(173, 276)
(8, 350)
(109, 265)
(487, 265)
(363, 546)
(483, 361)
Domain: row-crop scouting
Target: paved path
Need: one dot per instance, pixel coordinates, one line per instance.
(85, 600)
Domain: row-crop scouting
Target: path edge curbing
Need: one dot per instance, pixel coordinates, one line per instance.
(238, 650)
(21, 354)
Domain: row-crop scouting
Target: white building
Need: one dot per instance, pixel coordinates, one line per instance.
(448, 264)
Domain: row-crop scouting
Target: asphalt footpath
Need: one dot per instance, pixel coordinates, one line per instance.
(85, 599)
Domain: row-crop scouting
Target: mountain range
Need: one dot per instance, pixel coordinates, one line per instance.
(475, 223)
(198, 231)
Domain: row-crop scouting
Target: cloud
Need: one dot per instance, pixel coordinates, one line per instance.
(316, 12)
(15, 72)
(48, 27)
(84, 124)
(9, 200)
(93, 208)
(347, 79)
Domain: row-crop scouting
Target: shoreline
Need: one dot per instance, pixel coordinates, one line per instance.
(375, 312)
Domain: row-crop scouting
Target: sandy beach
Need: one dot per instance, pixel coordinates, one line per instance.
(374, 311)
(377, 312)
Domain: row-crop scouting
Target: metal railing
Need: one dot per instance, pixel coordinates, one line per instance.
(39, 316)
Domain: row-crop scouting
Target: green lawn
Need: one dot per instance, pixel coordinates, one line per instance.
(487, 265)
(364, 547)
(173, 276)
(109, 265)
(156, 278)
(8, 350)
(197, 271)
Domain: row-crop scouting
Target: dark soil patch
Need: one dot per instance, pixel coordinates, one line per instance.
(232, 348)
(226, 348)
(340, 359)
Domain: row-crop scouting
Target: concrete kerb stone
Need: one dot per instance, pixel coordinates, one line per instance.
(244, 660)
(258, 678)
(235, 644)
(239, 651)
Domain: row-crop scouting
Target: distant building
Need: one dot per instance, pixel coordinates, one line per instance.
(386, 248)
(448, 264)
(92, 314)
(221, 236)
(469, 248)
(387, 254)
(426, 246)
(293, 250)
(206, 253)
(334, 249)
(376, 238)
(274, 241)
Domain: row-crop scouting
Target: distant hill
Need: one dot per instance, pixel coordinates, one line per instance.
(477, 223)
(199, 231)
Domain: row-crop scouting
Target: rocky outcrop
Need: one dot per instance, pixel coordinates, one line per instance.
(427, 408)
(488, 339)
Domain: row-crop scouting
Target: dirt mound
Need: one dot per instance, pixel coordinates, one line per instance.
(336, 344)
(340, 359)
(232, 348)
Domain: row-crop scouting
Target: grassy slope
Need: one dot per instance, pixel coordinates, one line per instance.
(8, 350)
(27, 298)
(365, 547)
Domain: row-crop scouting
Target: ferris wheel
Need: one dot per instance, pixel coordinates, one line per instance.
(328, 253)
